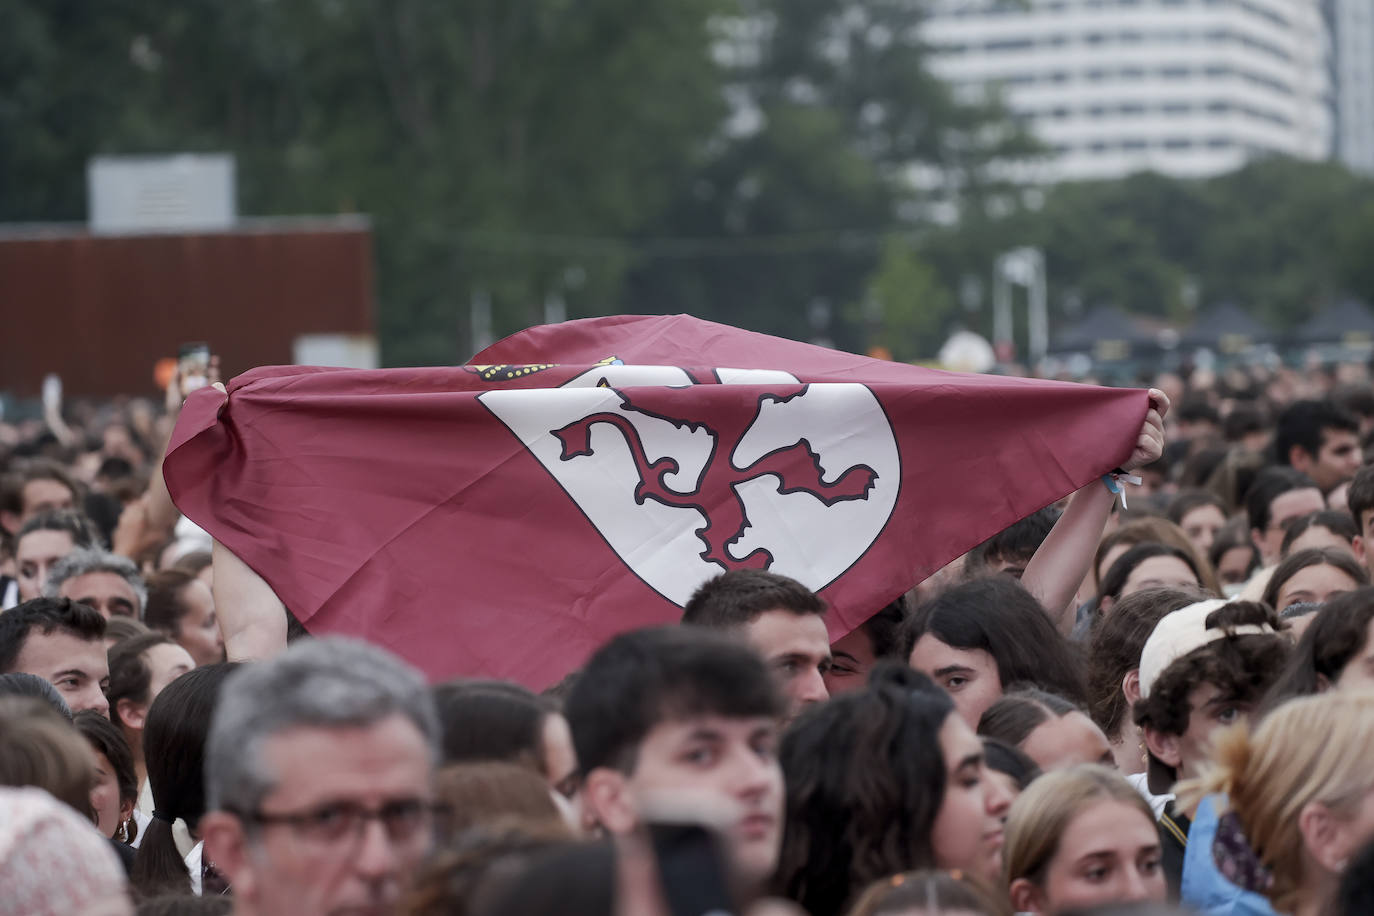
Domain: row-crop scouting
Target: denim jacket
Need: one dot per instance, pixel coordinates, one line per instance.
(1204, 887)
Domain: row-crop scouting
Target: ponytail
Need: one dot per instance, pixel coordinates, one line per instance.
(174, 747)
(158, 866)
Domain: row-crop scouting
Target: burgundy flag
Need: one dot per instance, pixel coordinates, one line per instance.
(506, 518)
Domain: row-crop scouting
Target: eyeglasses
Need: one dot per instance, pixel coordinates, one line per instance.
(339, 823)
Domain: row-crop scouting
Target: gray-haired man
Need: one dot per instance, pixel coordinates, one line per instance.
(101, 580)
(319, 781)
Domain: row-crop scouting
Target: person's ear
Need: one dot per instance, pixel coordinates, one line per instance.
(132, 714)
(1323, 683)
(1325, 836)
(1130, 686)
(1357, 544)
(1299, 459)
(226, 848)
(1104, 605)
(126, 810)
(1163, 747)
(606, 796)
(1257, 538)
(9, 521)
(1026, 897)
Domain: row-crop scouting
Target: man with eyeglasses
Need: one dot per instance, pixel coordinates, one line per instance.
(319, 781)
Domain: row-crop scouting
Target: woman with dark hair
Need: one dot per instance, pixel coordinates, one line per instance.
(140, 668)
(979, 637)
(1313, 576)
(1047, 728)
(174, 748)
(1114, 664)
(115, 790)
(1147, 566)
(1150, 530)
(1200, 513)
(881, 781)
(1336, 651)
(500, 721)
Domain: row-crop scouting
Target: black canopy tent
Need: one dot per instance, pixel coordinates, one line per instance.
(1226, 328)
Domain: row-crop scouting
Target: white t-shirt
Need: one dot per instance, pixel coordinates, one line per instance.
(1157, 802)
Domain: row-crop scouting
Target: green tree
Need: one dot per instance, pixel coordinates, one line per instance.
(470, 132)
(906, 306)
(836, 112)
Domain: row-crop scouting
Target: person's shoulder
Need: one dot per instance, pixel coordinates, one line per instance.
(126, 855)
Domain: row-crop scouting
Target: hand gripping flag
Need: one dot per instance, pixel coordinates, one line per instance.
(505, 518)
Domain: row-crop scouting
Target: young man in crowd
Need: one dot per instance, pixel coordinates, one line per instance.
(101, 580)
(1321, 440)
(1011, 549)
(780, 618)
(63, 643)
(855, 654)
(1277, 496)
(319, 781)
(1203, 668)
(41, 544)
(678, 722)
(37, 486)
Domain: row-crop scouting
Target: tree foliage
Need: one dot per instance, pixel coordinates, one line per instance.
(1279, 237)
(592, 148)
(770, 163)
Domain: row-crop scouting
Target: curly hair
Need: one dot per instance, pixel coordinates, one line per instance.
(865, 777)
(1241, 667)
(1117, 641)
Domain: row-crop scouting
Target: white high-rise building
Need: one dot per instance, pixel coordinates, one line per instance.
(1352, 39)
(1183, 87)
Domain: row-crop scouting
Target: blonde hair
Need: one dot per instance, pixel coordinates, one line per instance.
(1042, 813)
(1310, 749)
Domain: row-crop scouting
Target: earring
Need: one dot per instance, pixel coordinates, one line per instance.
(122, 832)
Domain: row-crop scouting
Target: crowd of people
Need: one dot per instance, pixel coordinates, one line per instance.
(1152, 710)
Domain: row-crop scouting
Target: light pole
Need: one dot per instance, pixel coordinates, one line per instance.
(1023, 267)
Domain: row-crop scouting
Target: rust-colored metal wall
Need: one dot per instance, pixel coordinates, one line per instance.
(101, 310)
